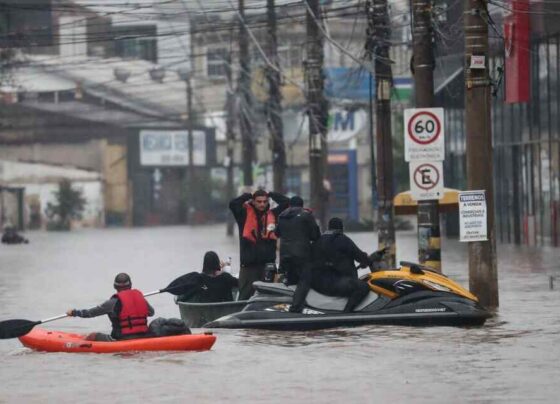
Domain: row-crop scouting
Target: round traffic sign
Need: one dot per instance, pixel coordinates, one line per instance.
(426, 176)
(424, 127)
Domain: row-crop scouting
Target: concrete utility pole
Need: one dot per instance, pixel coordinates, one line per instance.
(483, 272)
(429, 244)
(230, 138)
(275, 103)
(186, 75)
(317, 110)
(246, 99)
(370, 49)
(380, 32)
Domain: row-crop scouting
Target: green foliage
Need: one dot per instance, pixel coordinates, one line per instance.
(69, 205)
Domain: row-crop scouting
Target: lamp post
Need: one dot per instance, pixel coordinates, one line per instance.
(185, 75)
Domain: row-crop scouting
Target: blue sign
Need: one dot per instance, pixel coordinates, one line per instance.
(348, 83)
(343, 120)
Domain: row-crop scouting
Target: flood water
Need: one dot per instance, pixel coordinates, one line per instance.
(513, 358)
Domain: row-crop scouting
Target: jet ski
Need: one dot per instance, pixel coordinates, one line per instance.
(413, 295)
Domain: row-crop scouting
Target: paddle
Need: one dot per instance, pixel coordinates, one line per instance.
(19, 327)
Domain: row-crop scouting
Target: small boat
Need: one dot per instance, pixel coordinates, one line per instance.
(195, 315)
(40, 339)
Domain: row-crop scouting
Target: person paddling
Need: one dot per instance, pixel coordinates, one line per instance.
(127, 309)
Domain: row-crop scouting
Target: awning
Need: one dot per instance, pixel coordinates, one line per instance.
(405, 205)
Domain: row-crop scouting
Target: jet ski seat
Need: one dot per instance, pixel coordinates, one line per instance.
(314, 299)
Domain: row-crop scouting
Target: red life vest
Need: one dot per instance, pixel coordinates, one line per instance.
(251, 227)
(133, 317)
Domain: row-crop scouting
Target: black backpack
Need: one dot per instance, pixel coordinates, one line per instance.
(165, 327)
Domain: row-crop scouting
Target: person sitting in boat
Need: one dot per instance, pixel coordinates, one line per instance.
(11, 236)
(212, 285)
(334, 273)
(127, 309)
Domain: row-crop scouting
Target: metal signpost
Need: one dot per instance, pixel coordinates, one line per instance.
(424, 148)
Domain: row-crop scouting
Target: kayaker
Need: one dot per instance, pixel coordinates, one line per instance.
(297, 229)
(334, 272)
(127, 309)
(257, 237)
(212, 285)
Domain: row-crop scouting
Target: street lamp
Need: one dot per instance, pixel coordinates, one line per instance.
(185, 74)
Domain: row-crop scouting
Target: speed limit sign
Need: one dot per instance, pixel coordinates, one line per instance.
(424, 134)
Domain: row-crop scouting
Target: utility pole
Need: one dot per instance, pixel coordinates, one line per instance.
(429, 242)
(230, 139)
(275, 103)
(379, 31)
(317, 110)
(369, 51)
(186, 75)
(246, 102)
(483, 271)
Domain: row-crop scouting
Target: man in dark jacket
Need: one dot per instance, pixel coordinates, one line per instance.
(210, 286)
(257, 237)
(297, 229)
(334, 271)
(128, 312)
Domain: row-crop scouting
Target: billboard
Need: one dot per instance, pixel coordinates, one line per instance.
(171, 148)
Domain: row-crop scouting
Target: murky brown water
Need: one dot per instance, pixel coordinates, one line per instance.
(514, 358)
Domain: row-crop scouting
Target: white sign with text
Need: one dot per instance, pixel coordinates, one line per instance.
(473, 216)
(171, 147)
(424, 134)
(426, 180)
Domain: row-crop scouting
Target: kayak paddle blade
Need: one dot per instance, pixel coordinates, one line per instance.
(16, 328)
(181, 285)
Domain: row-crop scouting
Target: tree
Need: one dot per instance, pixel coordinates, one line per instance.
(69, 205)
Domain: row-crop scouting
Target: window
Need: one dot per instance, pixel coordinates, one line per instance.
(215, 62)
(136, 42)
(290, 56)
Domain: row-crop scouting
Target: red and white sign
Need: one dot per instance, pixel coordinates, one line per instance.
(426, 180)
(478, 62)
(424, 134)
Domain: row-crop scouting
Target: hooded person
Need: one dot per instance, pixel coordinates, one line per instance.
(212, 285)
(11, 236)
(334, 271)
(297, 230)
(257, 235)
(127, 310)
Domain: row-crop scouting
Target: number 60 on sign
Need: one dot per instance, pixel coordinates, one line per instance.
(424, 134)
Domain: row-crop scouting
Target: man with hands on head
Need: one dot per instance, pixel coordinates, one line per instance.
(257, 238)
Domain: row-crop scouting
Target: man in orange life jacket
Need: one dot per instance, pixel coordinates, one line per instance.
(127, 309)
(257, 238)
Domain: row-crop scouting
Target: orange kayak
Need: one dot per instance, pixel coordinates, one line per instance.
(58, 341)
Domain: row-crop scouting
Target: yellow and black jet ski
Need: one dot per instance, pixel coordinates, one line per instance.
(410, 295)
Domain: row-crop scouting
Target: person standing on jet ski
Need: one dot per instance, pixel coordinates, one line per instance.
(334, 272)
(257, 236)
(127, 309)
(212, 285)
(297, 229)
